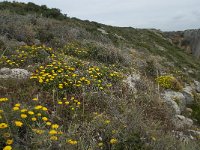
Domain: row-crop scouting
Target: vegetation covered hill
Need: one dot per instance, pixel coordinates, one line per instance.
(73, 84)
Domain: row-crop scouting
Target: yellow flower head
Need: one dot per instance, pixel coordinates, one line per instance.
(23, 110)
(9, 141)
(33, 119)
(51, 132)
(38, 107)
(15, 108)
(54, 138)
(48, 123)
(44, 118)
(35, 99)
(44, 109)
(113, 141)
(72, 142)
(3, 125)
(4, 99)
(55, 126)
(30, 112)
(7, 148)
(18, 123)
(23, 116)
(17, 105)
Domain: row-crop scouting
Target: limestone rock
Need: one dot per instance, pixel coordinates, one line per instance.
(131, 81)
(187, 92)
(181, 122)
(15, 73)
(102, 31)
(197, 86)
(194, 133)
(5, 71)
(37, 42)
(175, 101)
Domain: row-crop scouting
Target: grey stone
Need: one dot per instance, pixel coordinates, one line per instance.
(189, 110)
(175, 101)
(37, 42)
(188, 94)
(15, 73)
(197, 86)
(194, 133)
(131, 81)
(181, 122)
(102, 31)
(5, 71)
(22, 43)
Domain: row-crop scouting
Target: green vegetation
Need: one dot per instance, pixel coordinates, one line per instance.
(31, 8)
(169, 82)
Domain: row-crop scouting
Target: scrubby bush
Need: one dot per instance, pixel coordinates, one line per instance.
(31, 8)
(169, 82)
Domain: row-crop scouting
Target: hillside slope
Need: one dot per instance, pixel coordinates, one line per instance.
(73, 84)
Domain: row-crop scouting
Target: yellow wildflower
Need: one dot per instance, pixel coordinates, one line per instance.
(48, 123)
(33, 119)
(113, 141)
(23, 110)
(4, 99)
(35, 99)
(18, 123)
(53, 132)
(30, 112)
(55, 126)
(72, 142)
(15, 108)
(3, 125)
(23, 116)
(54, 138)
(38, 107)
(7, 148)
(9, 141)
(44, 118)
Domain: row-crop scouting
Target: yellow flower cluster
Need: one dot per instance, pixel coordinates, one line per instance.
(113, 141)
(74, 49)
(72, 103)
(169, 82)
(28, 117)
(23, 54)
(3, 99)
(72, 142)
(73, 75)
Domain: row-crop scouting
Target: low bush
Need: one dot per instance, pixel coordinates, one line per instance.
(169, 82)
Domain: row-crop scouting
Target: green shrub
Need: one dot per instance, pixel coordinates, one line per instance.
(169, 82)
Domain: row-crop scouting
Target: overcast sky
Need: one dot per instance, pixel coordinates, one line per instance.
(166, 15)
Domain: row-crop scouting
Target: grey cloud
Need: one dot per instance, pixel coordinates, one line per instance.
(164, 15)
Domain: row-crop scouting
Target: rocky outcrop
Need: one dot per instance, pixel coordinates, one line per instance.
(131, 81)
(15, 73)
(188, 40)
(175, 101)
(188, 94)
(181, 122)
(197, 86)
